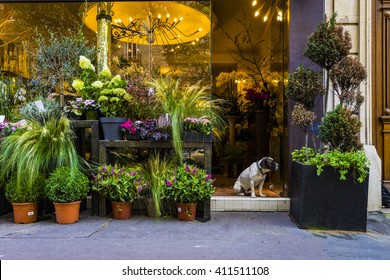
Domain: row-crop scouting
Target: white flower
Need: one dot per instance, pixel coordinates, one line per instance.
(78, 85)
(105, 73)
(85, 63)
(97, 84)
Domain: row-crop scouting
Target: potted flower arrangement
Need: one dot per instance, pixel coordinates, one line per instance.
(320, 197)
(110, 93)
(197, 129)
(72, 109)
(66, 191)
(90, 108)
(187, 185)
(122, 185)
(6, 128)
(131, 130)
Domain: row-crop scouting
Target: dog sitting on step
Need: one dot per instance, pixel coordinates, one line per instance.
(254, 176)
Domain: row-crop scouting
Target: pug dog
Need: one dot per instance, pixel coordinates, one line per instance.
(254, 176)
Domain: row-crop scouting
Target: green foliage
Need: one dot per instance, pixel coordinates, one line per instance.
(305, 87)
(188, 184)
(355, 162)
(340, 130)
(32, 153)
(328, 44)
(63, 186)
(180, 101)
(154, 171)
(23, 193)
(56, 57)
(118, 183)
(52, 111)
(234, 152)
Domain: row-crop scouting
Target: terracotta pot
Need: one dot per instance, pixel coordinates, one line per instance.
(67, 213)
(186, 211)
(25, 213)
(121, 210)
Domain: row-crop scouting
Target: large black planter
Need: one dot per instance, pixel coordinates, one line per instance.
(112, 127)
(326, 202)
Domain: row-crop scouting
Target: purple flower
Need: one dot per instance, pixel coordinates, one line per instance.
(188, 168)
(194, 171)
(207, 178)
(169, 184)
(94, 177)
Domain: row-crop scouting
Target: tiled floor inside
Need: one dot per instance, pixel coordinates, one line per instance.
(225, 200)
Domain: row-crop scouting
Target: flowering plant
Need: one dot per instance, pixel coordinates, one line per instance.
(188, 184)
(118, 183)
(197, 125)
(131, 126)
(89, 105)
(72, 109)
(109, 91)
(6, 128)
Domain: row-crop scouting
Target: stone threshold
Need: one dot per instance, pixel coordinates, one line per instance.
(246, 203)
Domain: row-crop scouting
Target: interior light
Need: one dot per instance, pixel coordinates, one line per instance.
(265, 18)
(254, 3)
(200, 29)
(131, 19)
(257, 13)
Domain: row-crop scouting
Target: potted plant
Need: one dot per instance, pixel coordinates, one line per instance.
(72, 109)
(320, 197)
(131, 130)
(187, 185)
(197, 129)
(28, 154)
(121, 185)
(154, 171)
(66, 191)
(24, 200)
(110, 93)
(90, 108)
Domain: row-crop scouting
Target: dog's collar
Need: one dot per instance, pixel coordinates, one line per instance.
(258, 167)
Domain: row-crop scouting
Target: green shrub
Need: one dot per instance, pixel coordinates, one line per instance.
(24, 193)
(52, 111)
(61, 186)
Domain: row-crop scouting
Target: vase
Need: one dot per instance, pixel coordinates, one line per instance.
(112, 127)
(186, 211)
(121, 210)
(325, 201)
(68, 212)
(232, 128)
(91, 115)
(25, 213)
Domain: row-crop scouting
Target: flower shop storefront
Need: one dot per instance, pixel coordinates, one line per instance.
(193, 81)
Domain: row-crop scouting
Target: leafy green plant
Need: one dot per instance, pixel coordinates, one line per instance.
(154, 171)
(15, 194)
(62, 186)
(118, 183)
(51, 111)
(33, 153)
(188, 184)
(354, 162)
(338, 131)
(180, 101)
(109, 91)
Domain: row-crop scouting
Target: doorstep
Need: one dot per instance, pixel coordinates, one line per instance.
(247, 203)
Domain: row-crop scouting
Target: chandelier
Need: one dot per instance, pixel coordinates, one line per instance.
(156, 23)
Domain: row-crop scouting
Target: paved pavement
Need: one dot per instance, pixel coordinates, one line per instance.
(227, 236)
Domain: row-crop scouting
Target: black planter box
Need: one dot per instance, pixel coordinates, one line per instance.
(326, 202)
(191, 136)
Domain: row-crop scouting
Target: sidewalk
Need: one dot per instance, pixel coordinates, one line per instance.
(229, 235)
